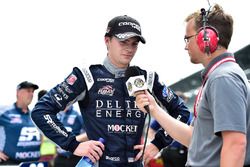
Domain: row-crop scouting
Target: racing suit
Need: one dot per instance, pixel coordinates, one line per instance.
(20, 139)
(107, 109)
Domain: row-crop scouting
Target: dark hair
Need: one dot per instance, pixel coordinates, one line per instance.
(41, 93)
(219, 20)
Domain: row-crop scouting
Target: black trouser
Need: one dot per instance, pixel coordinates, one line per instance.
(71, 161)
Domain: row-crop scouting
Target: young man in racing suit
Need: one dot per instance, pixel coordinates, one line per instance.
(108, 110)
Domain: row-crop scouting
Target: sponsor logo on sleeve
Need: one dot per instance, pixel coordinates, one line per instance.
(167, 94)
(53, 125)
(58, 97)
(71, 79)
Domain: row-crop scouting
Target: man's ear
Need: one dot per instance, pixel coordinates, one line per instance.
(107, 41)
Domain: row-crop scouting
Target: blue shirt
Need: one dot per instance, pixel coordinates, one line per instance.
(20, 139)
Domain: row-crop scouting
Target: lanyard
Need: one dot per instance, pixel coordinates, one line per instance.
(198, 97)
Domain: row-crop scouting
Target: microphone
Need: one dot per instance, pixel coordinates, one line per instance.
(136, 82)
(205, 36)
(203, 12)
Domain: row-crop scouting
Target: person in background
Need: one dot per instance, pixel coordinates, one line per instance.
(73, 122)
(20, 139)
(106, 107)
(220, 130)
(48, 148)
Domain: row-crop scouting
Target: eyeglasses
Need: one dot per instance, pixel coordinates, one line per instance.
(187, 38)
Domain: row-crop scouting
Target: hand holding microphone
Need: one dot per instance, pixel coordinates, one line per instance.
(136, 83)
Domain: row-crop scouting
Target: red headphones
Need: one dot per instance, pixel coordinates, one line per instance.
(208, 37)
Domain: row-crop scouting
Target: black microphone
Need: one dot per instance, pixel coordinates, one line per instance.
(136, 82)
(204, 23)
(132, 71)
(205, 36)
(203, 11)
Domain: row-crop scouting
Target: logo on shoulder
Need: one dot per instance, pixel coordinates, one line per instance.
(87, 74)
(71, 79)
(167, 94)
(58, 97)
(150, 80)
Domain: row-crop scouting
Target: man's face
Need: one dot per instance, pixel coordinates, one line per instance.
(191, 44)
(121, 52)
(25, 96)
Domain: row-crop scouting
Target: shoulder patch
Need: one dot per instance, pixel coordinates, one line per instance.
(87, 76)
(150, 80)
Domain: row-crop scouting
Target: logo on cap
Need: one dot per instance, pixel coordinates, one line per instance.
(133, 25)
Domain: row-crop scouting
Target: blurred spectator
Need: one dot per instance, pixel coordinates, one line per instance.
(20, 140)
(48, 148)
(73, 122)
(41, 93)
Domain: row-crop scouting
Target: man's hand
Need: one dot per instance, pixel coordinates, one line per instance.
(92, 149)
(3, 157)
(150, 152)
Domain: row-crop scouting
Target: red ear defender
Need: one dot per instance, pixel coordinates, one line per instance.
(207, 39)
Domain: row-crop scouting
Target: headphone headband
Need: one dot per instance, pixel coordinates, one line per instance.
(208, 37)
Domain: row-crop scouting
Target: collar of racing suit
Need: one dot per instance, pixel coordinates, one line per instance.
(117, 72)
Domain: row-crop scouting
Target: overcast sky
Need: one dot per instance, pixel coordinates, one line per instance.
(41, 41)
